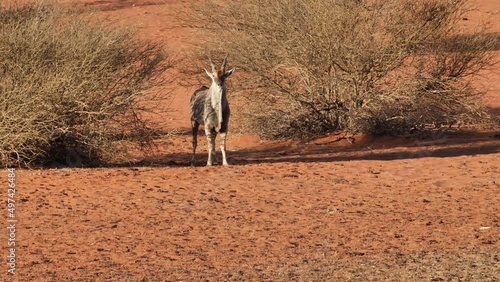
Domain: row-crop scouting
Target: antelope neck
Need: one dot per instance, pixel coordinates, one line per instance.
(216, 93)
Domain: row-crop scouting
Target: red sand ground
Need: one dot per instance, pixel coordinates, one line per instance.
(383, 209)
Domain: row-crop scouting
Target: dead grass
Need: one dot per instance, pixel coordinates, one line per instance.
(435, 267)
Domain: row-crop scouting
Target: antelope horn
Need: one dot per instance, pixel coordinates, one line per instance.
(211, 63)
(224, 64)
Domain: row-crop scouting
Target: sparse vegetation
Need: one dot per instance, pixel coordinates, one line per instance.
(380, 67)
(424, 266)
(72, 89)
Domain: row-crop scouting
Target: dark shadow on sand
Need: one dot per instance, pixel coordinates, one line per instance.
(440, 146)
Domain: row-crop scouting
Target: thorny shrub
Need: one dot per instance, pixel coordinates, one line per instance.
(71, 89)
(318, 66)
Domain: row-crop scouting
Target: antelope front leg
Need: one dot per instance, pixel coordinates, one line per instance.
(211, 134)
(223, 147)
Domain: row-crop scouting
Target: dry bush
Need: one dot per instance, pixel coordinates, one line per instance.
(72, 90)
(317, 66)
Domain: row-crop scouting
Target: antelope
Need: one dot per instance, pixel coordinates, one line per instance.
(209, 106)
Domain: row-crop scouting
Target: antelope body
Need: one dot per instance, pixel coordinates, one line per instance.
(209, 106)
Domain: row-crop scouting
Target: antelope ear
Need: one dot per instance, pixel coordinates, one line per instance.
(229, 72)
(209, 74)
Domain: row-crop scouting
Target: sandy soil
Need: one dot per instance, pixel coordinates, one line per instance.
(382, 209)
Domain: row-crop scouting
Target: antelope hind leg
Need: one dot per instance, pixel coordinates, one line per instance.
(194, 126)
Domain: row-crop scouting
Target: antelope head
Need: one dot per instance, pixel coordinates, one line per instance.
(219, 75)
